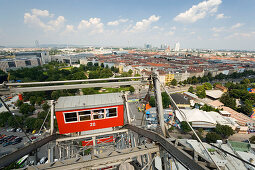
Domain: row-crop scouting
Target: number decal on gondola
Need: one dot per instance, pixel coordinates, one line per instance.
(93, 124)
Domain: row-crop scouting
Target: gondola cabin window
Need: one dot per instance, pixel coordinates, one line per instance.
(85, 115)
(98, 114)
(111, 112)
(71, 117)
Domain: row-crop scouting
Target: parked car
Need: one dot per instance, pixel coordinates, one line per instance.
(19, 130)
(9, 130)
(43, 160)
(15, 142)
(6, 144)
(37, 134)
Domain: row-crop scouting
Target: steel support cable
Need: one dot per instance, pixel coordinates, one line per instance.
(44, 121)
(15, 118)
(233, 155)
(185, 118)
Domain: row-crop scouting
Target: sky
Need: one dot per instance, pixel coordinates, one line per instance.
(203, 24)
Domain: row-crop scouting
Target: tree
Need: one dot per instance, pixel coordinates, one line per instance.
(39, 100)
(102, 65)
(217, 83)
(207, 86)
(174, 82)
(125, 74)
(3, 76)
(152, 101)
(15, 121)
(29, 122)
(224, 130)
(252, 139)
(55, 95)
(228, 101)
(26, 109)
(247, 108)
(185, 127)
(201, 92)
(4, 116)
(212, 137)
(245, 81)
(165, 100)
(19, 103)
(208, 108)
(37, 124)
(90, 64)
(131, 89)
(32, 100)
(130, 72)
(45, 107)
(191, 89)
(87, 91)
(42, 115)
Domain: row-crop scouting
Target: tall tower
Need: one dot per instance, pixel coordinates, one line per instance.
(177, 47)
(37, 44)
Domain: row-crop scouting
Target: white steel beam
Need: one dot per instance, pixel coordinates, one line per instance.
(71, 81)
(73, 86)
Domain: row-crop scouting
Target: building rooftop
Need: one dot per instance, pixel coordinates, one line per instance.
(197, 117)
(216, 94)
(216, 103)
(180, 98)
(88, 101)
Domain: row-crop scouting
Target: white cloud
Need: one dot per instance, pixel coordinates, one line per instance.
(199, 11)
(237, 25)
(170, 33)
(33, 19)
(173, 28)
(221, 16)
(216, 35)
(144, 24)
(117, 22)
(38, 12)
(58, 22)
(241, 35)
(69, 28)
(218, 29)
(94, 25)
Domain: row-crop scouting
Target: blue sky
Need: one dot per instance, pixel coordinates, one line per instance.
(214, 24)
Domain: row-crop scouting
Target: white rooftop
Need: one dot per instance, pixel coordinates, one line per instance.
(196, 116)
(88, 101)
(216, 94)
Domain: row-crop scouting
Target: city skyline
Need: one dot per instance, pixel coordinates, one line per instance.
(211, 24)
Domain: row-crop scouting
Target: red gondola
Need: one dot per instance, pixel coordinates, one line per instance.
(89, 112)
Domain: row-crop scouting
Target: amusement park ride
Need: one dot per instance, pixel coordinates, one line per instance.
(97, 132)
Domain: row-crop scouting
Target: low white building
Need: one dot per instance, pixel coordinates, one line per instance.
(198, 118)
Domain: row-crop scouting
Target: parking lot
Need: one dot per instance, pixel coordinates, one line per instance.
(10, 148)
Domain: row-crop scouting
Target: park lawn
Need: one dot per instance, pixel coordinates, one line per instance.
(114, 90)
(66, 68)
